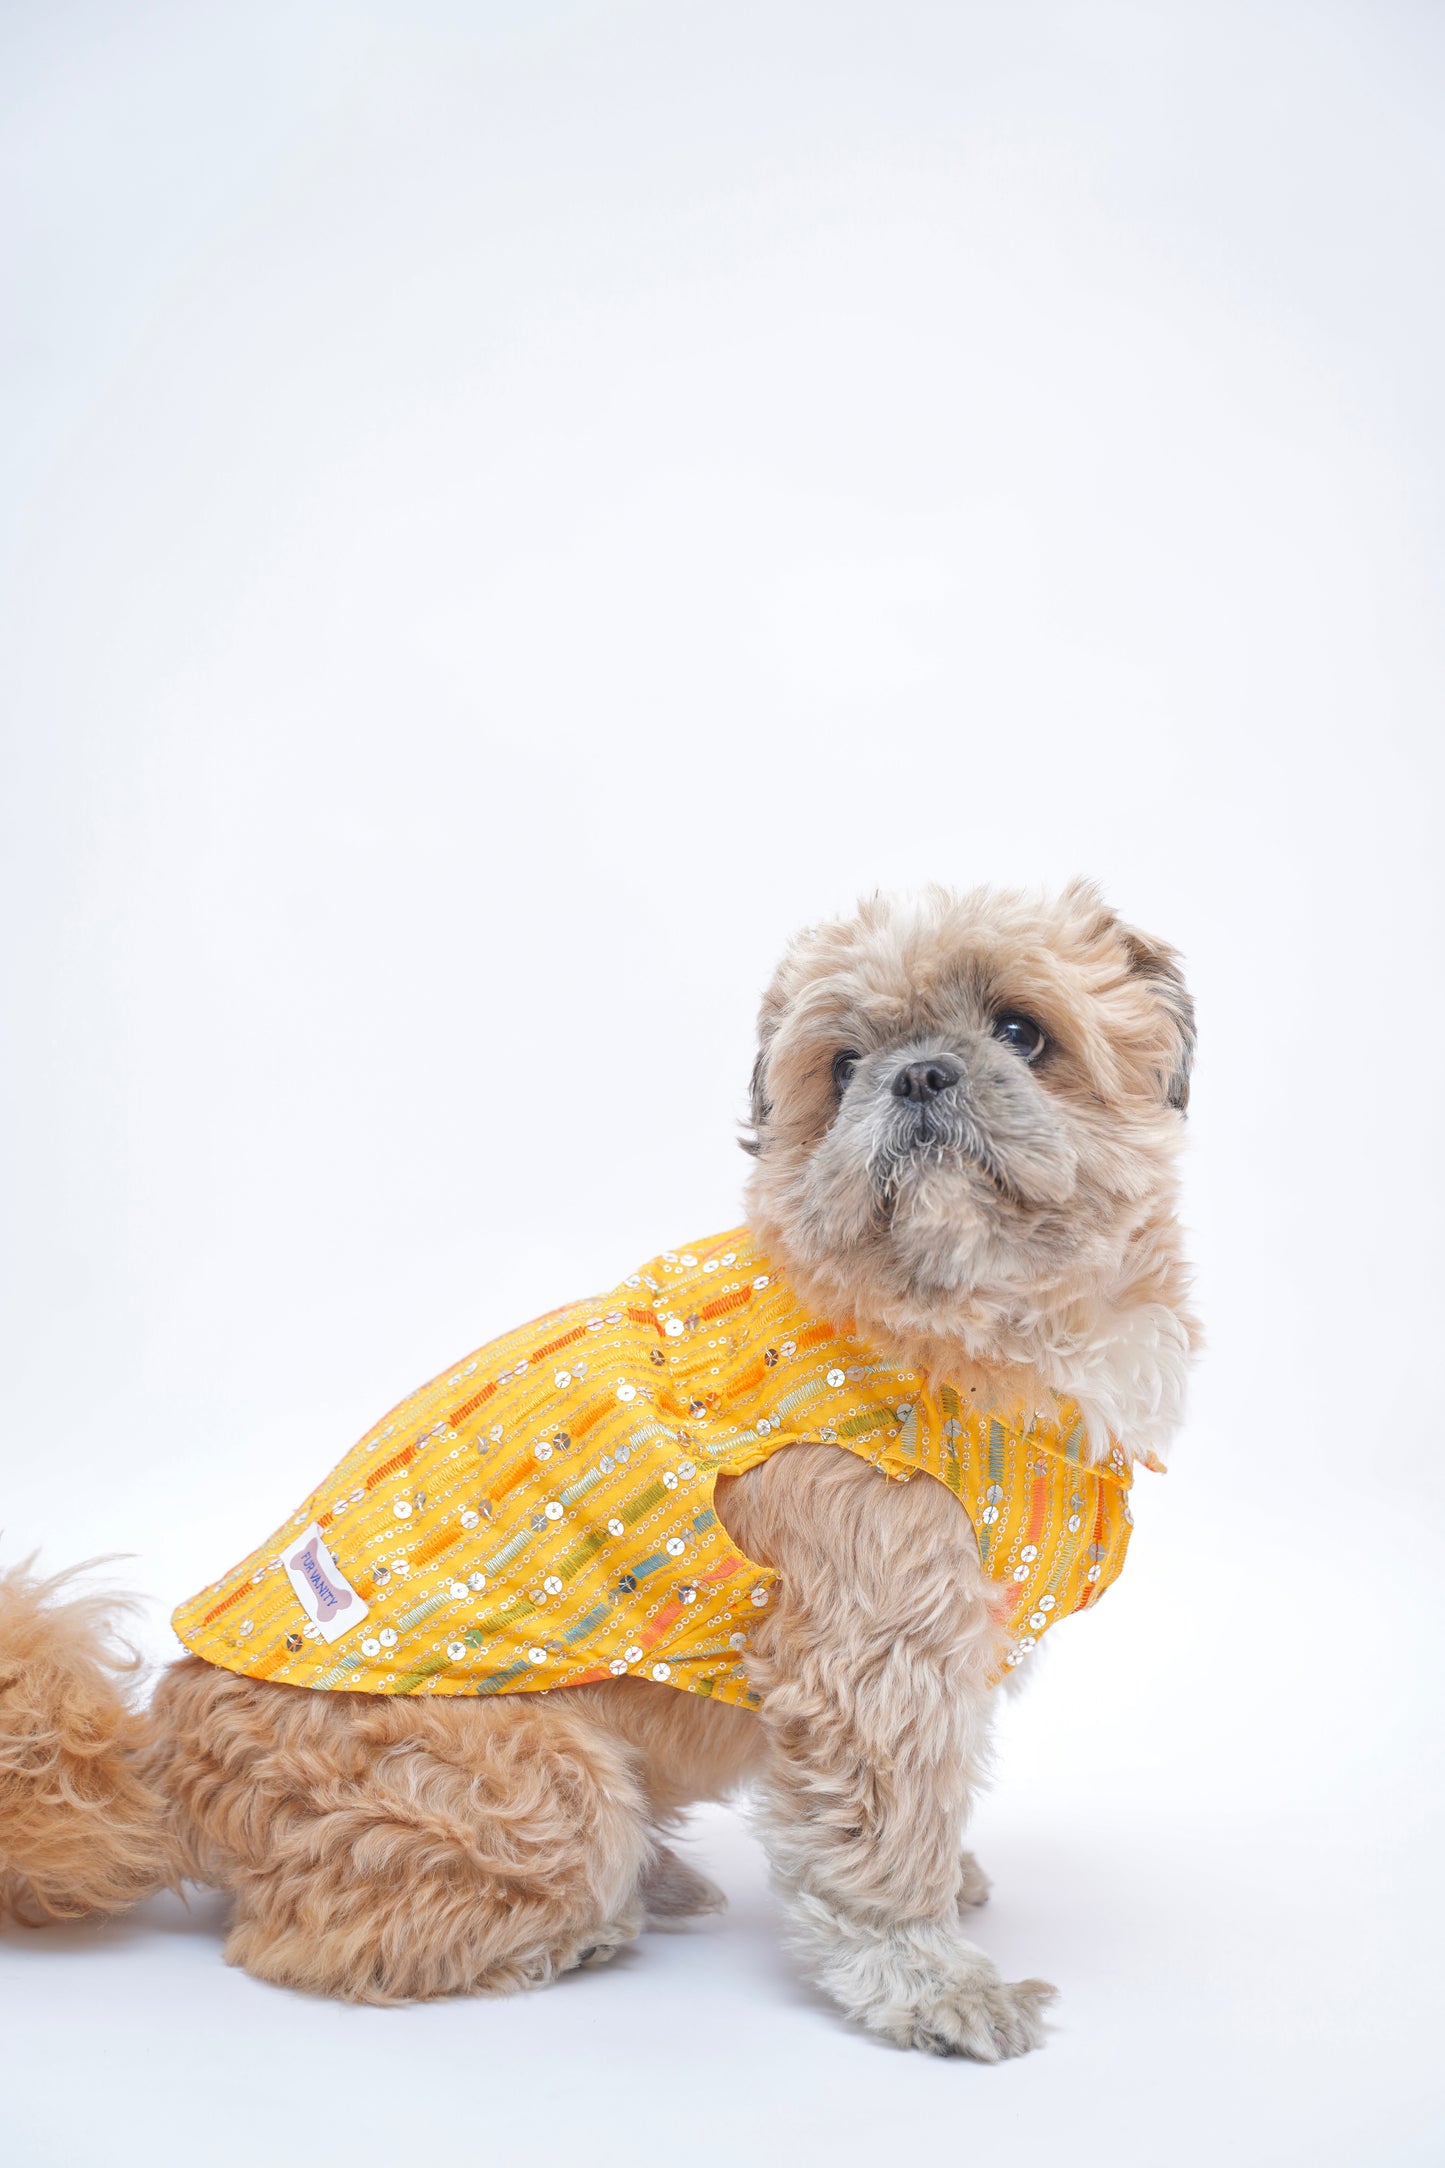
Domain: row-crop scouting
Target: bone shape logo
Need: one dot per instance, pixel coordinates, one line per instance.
(329, 1600)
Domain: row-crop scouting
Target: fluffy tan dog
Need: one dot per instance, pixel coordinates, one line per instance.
(966, 1114)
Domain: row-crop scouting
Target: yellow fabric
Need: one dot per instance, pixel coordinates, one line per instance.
(542, 1513)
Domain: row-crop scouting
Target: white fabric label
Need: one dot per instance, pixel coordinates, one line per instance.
(326, 1596)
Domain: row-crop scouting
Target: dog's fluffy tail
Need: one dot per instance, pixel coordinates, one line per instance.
(82, 1830)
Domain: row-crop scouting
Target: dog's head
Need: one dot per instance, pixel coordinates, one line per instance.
(968, 1105)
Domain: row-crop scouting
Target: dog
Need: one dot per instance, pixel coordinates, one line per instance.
(957, 1317)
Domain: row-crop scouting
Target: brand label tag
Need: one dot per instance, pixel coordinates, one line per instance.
(327, 1597)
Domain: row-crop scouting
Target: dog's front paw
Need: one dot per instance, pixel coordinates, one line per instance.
(975, 2014)
(921, 1986)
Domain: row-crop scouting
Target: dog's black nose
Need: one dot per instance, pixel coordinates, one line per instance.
(921, 1081)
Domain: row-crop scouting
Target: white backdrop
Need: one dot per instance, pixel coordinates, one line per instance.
(510, 509)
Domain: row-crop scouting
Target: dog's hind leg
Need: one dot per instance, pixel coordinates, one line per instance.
(382, 1849)
(973, 1884)
(673, 1889)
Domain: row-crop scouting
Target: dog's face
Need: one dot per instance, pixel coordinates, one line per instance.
(967, 1094)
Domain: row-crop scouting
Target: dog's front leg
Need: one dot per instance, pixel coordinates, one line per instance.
(874, 1664)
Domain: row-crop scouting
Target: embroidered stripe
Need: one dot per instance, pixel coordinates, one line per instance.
(588, 1621)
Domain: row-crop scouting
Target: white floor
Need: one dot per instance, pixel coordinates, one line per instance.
(135, 2044)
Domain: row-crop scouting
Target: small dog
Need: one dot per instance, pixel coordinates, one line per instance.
(966, 1111)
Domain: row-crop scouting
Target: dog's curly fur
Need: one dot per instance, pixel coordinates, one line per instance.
(81, 1828)
(1017, 1230)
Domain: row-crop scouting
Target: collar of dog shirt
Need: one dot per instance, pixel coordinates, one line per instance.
(541, 1515)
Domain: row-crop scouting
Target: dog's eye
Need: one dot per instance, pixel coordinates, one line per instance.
(843, 1066)
(1020, 1032)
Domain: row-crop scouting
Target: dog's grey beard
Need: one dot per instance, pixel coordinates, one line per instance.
(933, 1225)
(956, 1207)
(935, 1202)
(905, 1154)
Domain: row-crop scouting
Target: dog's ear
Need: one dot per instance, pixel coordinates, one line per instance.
(1158, 964)
(770, 1015)
(759, 1109)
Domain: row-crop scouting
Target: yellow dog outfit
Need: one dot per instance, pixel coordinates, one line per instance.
(542, 1514)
